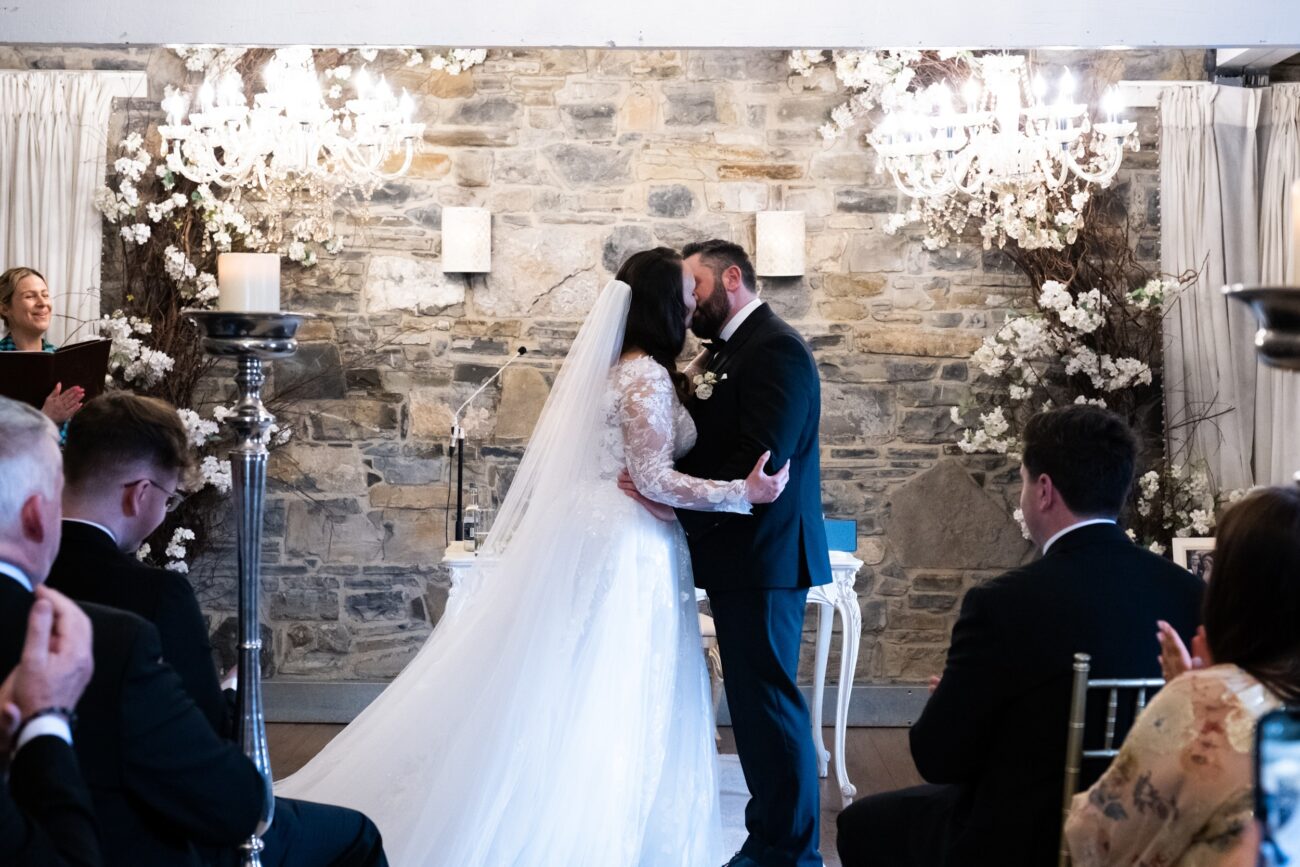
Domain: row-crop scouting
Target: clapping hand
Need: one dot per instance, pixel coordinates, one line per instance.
(1174, 657)
(56, 663)
(62, 405)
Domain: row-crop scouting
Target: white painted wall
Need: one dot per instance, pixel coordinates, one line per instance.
(675, 23)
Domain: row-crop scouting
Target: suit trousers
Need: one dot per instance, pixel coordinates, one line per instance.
(759, 635)
(307, 834)
(911, 827)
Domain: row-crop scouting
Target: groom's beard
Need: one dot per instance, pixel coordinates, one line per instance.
(710, 314)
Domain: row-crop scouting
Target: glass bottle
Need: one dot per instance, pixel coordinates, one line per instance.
(470, 519)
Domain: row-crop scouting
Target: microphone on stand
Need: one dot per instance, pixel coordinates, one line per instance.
(458, 441)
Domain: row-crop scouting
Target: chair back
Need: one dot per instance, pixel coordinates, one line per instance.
(1074, 751)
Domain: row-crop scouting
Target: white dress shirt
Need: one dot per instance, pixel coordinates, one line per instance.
(1073, 527)
(46, 725)
(743, 314)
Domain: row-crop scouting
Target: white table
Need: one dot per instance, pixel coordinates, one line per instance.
(838, 595)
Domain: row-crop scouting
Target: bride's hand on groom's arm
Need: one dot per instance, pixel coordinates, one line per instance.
(659, 510)
(762, 488)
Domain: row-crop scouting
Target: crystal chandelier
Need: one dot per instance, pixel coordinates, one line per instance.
(289, 132)
(1005, 141)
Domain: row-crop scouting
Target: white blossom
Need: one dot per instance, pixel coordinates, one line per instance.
(1019, 515)
(1055, 296)
(199, 429)
(1157, 548)
(216, 472)
(137, 233)
(176, 547)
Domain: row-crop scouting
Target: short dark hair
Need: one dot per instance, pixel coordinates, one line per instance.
(121, 428)
(720, 255)
(656, 316)
(1088, 452)
(1252, 601)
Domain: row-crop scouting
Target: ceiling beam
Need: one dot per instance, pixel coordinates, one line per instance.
(666, 23)
(1256, 59)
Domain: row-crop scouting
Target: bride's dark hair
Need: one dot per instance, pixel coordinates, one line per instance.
(656, 316)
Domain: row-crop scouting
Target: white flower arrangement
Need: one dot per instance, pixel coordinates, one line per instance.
(1050, 356)
(129, 356)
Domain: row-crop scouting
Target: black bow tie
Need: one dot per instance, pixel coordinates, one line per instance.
(717, 343)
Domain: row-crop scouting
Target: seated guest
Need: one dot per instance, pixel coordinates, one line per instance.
(46, 819)
(167, 790)
(124, 460)
(991, 739)
(1189, 755)
(26, 311)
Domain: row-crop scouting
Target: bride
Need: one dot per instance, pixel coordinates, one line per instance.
(560, 712)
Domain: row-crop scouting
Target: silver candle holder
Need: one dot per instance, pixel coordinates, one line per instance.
(250, 338)
(1277, 309)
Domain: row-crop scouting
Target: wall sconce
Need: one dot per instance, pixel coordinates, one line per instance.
(779, 237)
(466, 240)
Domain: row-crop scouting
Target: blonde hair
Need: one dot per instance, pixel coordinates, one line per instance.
(9, 281)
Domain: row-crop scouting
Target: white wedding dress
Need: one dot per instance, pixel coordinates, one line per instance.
(560, 712)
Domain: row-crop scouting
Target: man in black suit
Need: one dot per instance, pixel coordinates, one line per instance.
(46, 818)
(167, 790)
(764, 395)
(123, 465)
(991, 739)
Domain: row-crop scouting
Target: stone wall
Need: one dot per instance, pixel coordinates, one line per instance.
(583, 157)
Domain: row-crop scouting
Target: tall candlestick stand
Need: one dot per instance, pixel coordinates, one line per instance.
(250, 338)
(1277, 309)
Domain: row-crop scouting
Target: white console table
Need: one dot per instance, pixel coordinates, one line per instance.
(838, 595)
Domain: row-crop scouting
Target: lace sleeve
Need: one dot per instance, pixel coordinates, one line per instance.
(646, 417)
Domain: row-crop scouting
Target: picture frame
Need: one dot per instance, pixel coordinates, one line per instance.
(1195, 554)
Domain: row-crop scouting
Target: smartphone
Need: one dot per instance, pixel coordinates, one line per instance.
(1277, 787)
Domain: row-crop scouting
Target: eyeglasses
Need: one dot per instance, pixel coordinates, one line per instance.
(174, 498)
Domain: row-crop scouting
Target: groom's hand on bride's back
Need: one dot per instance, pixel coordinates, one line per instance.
(659, 510)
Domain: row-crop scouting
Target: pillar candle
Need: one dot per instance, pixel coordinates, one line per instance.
(248, 282)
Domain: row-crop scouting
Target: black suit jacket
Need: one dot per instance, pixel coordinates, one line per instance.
(996, 725)
(164, 785)
(770, 400)
(46, 819)
(90, 568)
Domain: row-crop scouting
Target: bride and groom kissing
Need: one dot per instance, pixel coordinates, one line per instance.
(560, 712)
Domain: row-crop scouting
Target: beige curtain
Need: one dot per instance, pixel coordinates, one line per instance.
(1209, 204)
(1277, 392)
(53, 133)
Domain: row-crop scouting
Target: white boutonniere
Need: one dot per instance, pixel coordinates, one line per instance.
(704, 383)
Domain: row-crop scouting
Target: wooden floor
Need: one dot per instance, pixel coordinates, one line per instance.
(878, 761)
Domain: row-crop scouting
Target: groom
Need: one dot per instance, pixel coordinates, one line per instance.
(757, 568)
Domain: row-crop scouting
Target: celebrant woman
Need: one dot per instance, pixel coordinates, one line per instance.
(26, 310)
